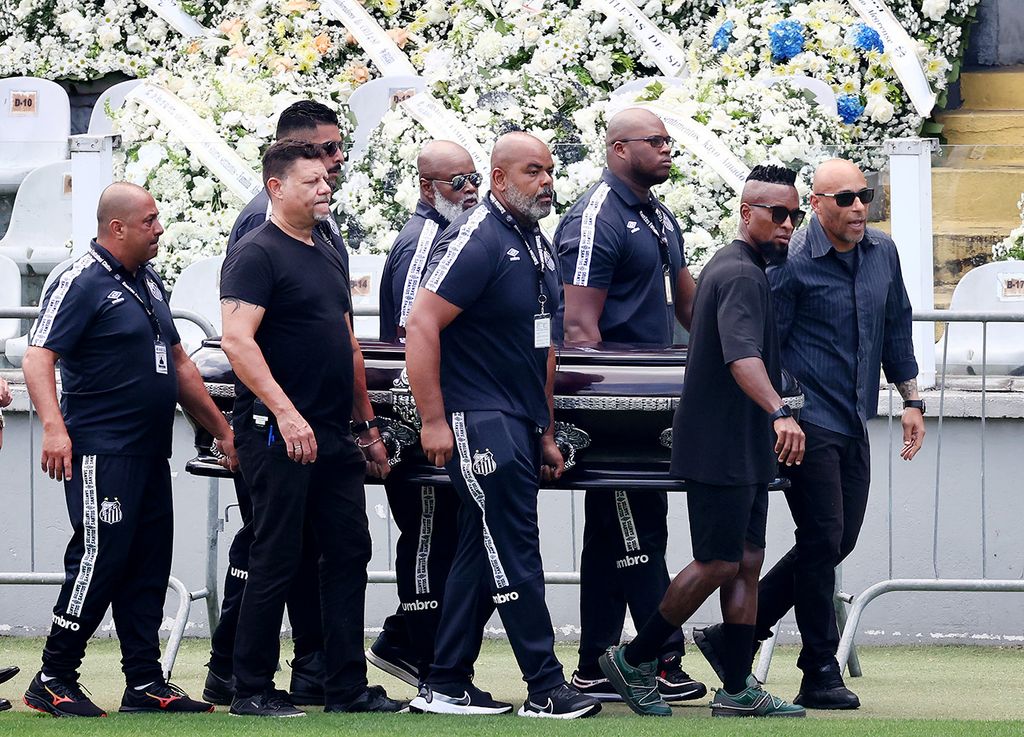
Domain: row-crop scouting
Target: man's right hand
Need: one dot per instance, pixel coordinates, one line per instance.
(790, 443)
(438, 442)
(298, 437)
(56, 460)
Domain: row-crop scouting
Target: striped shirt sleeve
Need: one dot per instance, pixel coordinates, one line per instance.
(66, 311)
(588, 244)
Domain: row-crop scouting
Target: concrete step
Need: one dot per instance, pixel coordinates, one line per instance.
(986, 127)
(980, 196)
(999, 88)
(968, 156)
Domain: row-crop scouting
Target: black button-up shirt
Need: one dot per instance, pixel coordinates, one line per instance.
(839, 320)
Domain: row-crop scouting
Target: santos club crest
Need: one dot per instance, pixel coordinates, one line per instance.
(110, 511)
(483, 462)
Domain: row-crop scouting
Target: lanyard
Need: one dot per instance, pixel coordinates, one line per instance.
(666, 257)
(535, 257)
(154, 324)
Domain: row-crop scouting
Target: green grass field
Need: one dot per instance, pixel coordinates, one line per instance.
(906, 691)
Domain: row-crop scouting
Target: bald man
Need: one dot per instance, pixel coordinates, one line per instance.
(426, 516)
(481, 366)
(122, 371)
(626, 282)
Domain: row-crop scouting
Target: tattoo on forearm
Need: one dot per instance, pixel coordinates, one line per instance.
(907, 389)
(235, 303)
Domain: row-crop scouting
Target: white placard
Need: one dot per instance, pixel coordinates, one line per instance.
(669, 58)
(171, 12)
(1011, 287)
(902, 49)
(381, 48)
(442, 124)
(200, 138)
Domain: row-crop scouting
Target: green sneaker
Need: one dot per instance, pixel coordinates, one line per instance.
(637, 686)
(753, 701)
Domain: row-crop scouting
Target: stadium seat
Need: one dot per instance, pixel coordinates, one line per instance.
(10, 296)
(197, 289)
(365, 273)
(38, 236)
(113, 97)
(15, 347)
(369, 102)
(35, 122)
(994, 287)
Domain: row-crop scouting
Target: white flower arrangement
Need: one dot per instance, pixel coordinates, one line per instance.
(1012, 247)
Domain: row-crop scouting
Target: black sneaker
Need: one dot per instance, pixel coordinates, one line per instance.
(372, 699)
(561, 702)
(709, 642)
(62, 698)
(8, 673)
(471, 701)
(824, 688)
(4, 704)
(674, 683)
(271, 703)
(217, 690)
(162, 696)
(600, 688)
(394, 661)
(307, 684)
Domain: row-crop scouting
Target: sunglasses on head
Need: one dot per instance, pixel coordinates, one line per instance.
(652, 141)
(845, 199)
(780, 213)
(459, 180)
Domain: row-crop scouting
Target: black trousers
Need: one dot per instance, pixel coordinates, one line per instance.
(119, 556)
(622, 564)
(303, 599)
(495, 471)
(827, 497)
(427, 520)
(327, 497)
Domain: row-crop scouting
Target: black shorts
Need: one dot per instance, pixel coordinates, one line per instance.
(723, 518)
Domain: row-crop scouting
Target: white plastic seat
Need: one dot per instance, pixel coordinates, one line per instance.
(370, 101)
(365, 272)
(10, 296)
(35, 122)
(40, 229)
(197, 289)
(15, 347)
(113, 97)
(994, 287)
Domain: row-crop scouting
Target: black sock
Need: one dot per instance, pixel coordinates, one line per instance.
(649, 641)
(737, 646)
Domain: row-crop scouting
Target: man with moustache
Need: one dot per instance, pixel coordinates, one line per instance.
(842, 311)
(426, 516)
(108, 439)
(284, 293)
(481, 367)
(729, 418)
(625, 281)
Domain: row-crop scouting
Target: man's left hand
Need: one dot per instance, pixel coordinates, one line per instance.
(229, 457)
(5, 393)
(377, 460)
(552, 463)
(913, 433)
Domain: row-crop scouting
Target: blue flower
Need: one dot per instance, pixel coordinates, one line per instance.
(850, 108)
(723, 36)
(866, 38)
(787, 39)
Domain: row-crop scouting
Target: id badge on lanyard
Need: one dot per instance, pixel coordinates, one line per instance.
(160, 354)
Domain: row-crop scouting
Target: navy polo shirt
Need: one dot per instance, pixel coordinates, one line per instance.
(404, 266)
(113, 400)
(839, 321)
(488, 361)
(603, 242)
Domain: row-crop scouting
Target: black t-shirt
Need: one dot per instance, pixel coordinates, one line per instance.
(113, 399)
(304, 336)
(719, 435)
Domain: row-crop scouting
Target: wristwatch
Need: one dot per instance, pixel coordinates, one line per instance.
(358, 427)
(914, 404)
(783, 411)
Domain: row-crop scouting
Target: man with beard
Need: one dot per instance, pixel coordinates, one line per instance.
(311, 122)
(426, 516)
(625, 281)
(722, 446)
(481, 366)
(842, 311)
(284, 294)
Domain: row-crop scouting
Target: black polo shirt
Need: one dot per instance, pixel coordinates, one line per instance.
(404, 266)
(303, 335)
(113, 400)
(604, 242)
(719, 434)
(488, 362)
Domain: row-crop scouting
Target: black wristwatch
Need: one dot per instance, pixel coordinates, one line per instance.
(783, 411)
(914, 404)
(358, 427)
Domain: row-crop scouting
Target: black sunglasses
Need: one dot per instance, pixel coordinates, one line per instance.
(845, 199)
(652, 141)
(331, 147)
(459, 180)
(780, 213)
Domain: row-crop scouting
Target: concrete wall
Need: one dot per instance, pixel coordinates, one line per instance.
(997, 39)
(918, 617)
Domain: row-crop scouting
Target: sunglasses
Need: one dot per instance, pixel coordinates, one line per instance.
(845, 199)
(780, 213)
(653, 141)
(330, 148)
(459, 180)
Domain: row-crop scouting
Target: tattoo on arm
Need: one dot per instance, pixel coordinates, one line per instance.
(236, 303)
(908, 389)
